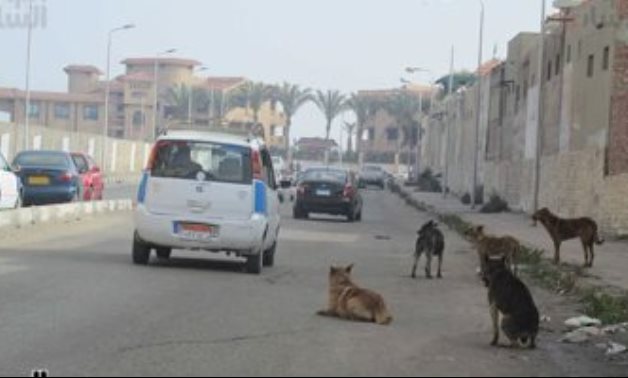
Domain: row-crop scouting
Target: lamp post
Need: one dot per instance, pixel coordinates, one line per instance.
(413, 70)
(478, 108)
(108, 88)
(27, 102)
(156, 90)
(540, 110)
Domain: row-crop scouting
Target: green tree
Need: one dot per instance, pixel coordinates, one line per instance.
(364, 108)
(331, 104)
(292, 98)
(461, 79)
(178, 99)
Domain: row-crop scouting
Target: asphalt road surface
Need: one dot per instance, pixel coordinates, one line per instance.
(71, 302)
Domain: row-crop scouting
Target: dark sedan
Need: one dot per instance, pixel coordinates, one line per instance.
(48, 177)
(328, 191)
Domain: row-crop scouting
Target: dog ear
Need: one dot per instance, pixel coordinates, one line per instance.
(333, 269)
(349, 268)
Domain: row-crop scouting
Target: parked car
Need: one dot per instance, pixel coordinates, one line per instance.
(211, 192)
(328, 191)
(373, 175)
(48, 177)
(10, 187)
(91, 176)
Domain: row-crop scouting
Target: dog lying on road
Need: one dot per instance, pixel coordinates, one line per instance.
(566, 229)
(431, 242)
(348, 301)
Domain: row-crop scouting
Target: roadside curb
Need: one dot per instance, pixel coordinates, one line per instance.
(60, 213)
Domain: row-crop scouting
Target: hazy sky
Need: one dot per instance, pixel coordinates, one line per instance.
(339, 44)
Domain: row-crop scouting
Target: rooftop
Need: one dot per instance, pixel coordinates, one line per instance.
(162, 61)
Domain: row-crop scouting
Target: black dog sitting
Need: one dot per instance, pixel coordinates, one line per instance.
(511, 298)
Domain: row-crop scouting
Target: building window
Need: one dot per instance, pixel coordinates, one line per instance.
(591, 66)
(568, 54)
(549, 70)
(62, 111)
(371, 134)
(606, 63)
(90, 112)
(557, 65)
(138, 118)
(34, 110)
(392, 134)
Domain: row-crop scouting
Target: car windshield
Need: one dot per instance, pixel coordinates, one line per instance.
(42, 159)
(325, 175)
(203, 161)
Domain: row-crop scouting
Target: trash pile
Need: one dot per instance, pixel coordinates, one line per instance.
(584, 329)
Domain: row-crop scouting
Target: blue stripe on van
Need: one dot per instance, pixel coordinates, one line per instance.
(141, 193)
(261, 207)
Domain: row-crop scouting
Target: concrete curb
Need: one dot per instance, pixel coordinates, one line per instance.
(60, 213)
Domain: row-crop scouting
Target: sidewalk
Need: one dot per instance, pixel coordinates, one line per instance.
(611, 264)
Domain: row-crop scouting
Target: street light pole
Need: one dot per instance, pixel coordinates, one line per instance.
(156, 91)
(108, 91)
(449, 121)
(478, 109)
(540, 110)
(27, 101)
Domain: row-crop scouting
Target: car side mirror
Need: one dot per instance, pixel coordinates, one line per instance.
(16, 168)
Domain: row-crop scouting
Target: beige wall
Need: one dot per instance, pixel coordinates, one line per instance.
(119, 158)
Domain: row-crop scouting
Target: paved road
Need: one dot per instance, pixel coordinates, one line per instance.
(71, 302)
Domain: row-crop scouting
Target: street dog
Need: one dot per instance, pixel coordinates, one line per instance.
(510, 298)
(350, 302)
(562, 230)
(431, 242)
(494, 247)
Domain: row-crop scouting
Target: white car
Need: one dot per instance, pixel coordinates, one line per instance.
(208, 191)
(10, 187)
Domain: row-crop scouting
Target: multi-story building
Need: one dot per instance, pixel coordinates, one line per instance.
(581, 98)
(132, 101)
(381, 137)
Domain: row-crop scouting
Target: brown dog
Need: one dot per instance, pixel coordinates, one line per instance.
(348, 301)
(566, 229)
(492, 247)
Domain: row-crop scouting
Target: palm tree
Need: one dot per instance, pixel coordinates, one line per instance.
(331, 104)
(292, 98)
(405, 108)
(350, 128)
(178, 98)
(252, 96)
(363, 107)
